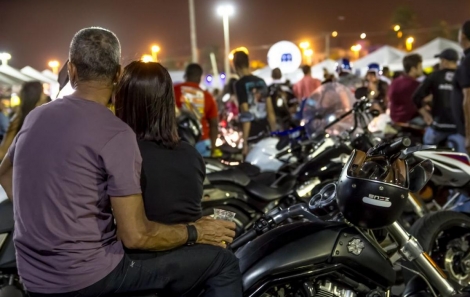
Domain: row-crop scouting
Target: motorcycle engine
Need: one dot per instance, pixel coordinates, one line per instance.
(325, 288)
(311, 288)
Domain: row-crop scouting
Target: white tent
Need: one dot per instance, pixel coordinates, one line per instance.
(49, 74)
(428, 51)
(384, 56)
(317, 69)
(31, 72)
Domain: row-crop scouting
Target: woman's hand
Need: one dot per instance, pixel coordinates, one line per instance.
(214, 232)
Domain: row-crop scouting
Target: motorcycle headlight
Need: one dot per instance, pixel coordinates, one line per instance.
(3, 237)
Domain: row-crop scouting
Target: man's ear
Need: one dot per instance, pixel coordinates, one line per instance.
(72, 70)
(118, 75)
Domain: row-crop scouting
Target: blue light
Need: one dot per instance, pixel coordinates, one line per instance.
(209, 78)
(222, 76)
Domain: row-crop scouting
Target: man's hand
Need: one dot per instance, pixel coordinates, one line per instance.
(215, 232)
(426, 116)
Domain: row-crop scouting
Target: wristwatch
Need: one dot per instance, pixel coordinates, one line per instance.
(192, 234)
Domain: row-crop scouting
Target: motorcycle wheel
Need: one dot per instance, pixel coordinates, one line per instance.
(11, 291)
(445, 236)
(241, 219)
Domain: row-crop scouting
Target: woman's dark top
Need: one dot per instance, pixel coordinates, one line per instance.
(172, 182)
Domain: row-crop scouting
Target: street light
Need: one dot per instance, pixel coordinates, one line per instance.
(304, 45)
(356, 49)
(334, 34)
(226, 11)
(363, 36)
(396, 28)
(4, 57)
(409, 43)
(55, 66)
(155, 51)
(399, 34)
(147, 58)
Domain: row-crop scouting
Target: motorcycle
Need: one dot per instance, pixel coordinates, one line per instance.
(445, 234)
(328, 255)
(236, 191)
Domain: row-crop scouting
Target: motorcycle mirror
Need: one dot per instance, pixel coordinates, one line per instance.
(361, 92)
(375, 113)
(246, 117)
(63, 77)
(420, 175)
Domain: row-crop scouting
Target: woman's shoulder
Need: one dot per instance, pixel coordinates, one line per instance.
(182, 148)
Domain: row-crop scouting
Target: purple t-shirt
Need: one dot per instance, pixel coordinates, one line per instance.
(68, 158)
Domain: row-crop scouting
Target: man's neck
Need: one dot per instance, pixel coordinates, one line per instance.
(98, 92)
(244, 72)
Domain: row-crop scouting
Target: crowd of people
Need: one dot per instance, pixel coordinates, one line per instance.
(111, 203)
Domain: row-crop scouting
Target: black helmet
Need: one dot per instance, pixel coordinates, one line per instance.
(189, 127)
(372, 192)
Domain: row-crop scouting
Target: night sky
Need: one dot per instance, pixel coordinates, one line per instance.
(36, 31)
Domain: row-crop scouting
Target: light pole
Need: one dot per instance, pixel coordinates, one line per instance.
(155, 50)
(4, 57)
(226, 11)
(55, 66)
(192, 30)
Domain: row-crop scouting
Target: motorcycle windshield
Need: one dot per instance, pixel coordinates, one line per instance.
(328, 103)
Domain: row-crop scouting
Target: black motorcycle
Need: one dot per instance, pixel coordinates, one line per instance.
(339, 254)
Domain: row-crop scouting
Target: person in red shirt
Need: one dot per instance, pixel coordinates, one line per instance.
(400, 93)
(307, 85)
(190, 95)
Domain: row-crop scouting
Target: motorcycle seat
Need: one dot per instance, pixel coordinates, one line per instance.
(267, 193)
(233, 175)
(257, 189)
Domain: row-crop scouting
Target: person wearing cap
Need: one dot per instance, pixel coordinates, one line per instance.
(400, 94)
(439, 85)
(345, 75)
(377, 87)
(461, 92)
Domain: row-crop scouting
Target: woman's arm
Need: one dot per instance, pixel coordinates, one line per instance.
(9, 136)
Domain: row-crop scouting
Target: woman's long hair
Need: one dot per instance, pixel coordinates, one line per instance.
(145, 100)
(30, 95)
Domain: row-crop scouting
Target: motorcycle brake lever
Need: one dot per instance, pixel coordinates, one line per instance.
(411, 150)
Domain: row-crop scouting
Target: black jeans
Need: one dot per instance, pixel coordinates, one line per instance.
(186, 271)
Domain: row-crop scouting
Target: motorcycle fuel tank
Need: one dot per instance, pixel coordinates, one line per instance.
(311, 244)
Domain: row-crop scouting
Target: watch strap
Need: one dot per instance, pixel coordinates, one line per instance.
(192, 234)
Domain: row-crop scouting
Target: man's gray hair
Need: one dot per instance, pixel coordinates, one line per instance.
(96, 53)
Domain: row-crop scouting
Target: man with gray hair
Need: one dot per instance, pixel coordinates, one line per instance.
(74, 170)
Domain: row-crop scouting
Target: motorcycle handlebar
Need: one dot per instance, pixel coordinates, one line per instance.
(243, 239)
(390, 148)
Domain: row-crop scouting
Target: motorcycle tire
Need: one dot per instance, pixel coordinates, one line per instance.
(241, 219)
(11, 291)
(442, 227)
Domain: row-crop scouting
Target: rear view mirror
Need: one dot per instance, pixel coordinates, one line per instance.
(63, 77)
(420, 175)
(246, 117)
(361, 92)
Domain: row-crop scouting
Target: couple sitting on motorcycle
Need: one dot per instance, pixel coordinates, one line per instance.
(109, 205)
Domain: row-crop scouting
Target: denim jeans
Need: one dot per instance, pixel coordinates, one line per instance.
(204, 147)
(457, 141)
(185, 271)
